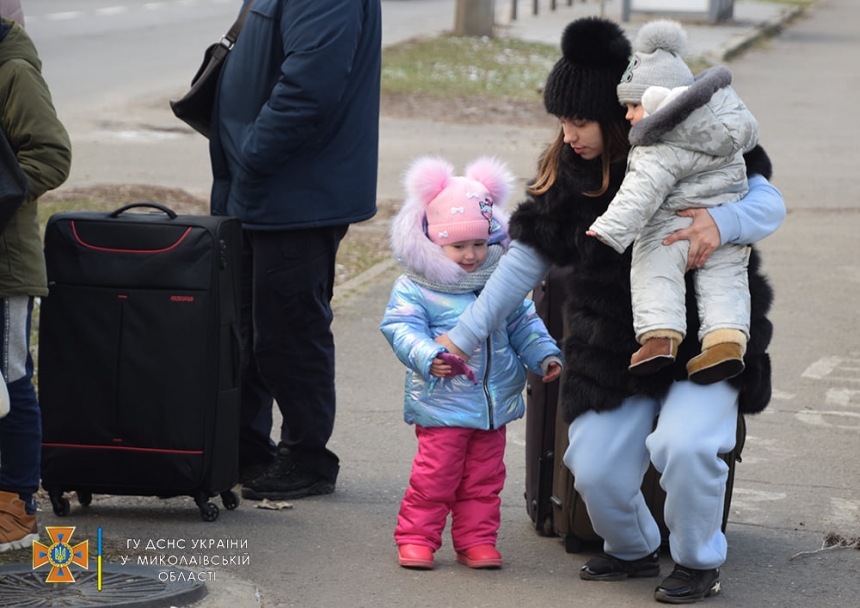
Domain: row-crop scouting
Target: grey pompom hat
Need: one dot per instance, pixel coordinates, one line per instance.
(656, 61)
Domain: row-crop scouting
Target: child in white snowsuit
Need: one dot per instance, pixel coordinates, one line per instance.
(449, 236)
(689, 136)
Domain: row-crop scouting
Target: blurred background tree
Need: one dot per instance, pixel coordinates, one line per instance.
(474, 18)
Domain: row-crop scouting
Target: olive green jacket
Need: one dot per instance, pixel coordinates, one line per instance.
(44, 152)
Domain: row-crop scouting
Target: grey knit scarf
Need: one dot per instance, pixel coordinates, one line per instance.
(471, 282)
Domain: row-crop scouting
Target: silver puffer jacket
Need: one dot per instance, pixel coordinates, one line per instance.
(688, 154)
(416, 315)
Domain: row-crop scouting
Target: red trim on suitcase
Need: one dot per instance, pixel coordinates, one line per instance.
(89, 246)
(112, 447)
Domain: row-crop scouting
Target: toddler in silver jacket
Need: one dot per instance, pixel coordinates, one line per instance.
(688, 136)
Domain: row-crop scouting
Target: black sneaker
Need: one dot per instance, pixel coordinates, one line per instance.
(605, 567)
(286, 478)
(253, 471)
(686, 585)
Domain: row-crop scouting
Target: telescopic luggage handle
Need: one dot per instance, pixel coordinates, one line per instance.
(170, 212)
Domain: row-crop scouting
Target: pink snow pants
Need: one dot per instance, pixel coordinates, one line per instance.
(458, 471)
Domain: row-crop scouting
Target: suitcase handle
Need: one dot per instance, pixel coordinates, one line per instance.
(170, 212)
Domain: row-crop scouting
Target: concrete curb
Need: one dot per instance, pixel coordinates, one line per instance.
(741, 43)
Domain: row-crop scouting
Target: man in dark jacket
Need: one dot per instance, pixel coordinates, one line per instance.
(41, 145)
(294, 153)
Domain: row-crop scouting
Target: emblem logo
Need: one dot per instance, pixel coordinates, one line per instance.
(60, 554)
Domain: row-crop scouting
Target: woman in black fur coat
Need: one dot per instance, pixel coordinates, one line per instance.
(611, 412)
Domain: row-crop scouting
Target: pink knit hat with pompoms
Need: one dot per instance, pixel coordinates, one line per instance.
(442, 209)
(463, 211)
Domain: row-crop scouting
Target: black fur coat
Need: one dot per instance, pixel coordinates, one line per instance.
(597, 310)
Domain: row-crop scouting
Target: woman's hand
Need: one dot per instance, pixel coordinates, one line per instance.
(703, 234)
(452, 348)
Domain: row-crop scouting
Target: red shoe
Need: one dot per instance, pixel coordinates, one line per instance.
(415, 556)
(482, 556)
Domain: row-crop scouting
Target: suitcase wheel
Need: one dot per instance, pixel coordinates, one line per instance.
(60, 504)
(85, 497)
(547, 528)
(208, 510)
(572, 544)
(230, 500)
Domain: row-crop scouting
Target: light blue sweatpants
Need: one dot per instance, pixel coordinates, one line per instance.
(609, 453)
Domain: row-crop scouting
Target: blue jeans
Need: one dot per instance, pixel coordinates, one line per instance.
(21, 429)
(288, 346)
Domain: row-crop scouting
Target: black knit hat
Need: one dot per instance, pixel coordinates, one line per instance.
(582, 84)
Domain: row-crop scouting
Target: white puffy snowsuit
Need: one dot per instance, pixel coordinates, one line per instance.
(687, 154)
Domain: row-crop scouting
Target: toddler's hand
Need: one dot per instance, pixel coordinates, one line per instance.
(552, 373)
(439, 368)
(456, 365)
(595, 235)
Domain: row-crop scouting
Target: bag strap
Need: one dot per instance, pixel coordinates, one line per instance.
(229, 39)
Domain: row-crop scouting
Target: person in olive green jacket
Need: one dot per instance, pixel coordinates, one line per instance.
(41, 144)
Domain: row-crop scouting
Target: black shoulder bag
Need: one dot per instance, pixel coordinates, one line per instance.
(195, 107)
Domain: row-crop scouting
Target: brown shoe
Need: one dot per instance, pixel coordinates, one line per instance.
(655, 354)
(719, 362)
(18, 530)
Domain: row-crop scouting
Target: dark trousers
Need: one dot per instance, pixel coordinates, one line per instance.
(288, 346)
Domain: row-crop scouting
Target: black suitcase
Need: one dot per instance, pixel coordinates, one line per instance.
(541, 403)
(139, 356)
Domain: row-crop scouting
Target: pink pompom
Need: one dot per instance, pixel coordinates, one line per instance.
(427, 177)
(494, 175)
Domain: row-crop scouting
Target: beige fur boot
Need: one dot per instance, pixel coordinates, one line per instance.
(722, 357)
(659, 349)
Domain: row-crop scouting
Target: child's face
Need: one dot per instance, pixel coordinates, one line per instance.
(584, 136)
(635, 112)
(467, 254)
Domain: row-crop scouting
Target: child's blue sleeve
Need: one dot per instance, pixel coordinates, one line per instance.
(405, 326)
(752, 218)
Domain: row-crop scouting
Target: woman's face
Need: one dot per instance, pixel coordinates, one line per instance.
(584, 136)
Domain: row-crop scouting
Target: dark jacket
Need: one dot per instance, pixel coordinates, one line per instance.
(296, 136)
(44, 152)
(597, 309)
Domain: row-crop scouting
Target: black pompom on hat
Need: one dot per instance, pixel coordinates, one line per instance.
(582, 84)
